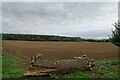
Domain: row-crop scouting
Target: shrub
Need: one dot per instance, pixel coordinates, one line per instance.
(115, 37)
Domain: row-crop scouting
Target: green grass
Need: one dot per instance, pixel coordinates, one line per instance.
(75, 74)
(106, 69)
(0, 66)
(9, 69)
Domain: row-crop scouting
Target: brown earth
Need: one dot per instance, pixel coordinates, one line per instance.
(61, 50)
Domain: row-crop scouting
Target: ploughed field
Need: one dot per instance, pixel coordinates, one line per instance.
(60, 50)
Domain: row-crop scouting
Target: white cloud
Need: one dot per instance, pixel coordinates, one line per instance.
(60, 18)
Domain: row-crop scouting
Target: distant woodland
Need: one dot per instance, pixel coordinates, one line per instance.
(32, 37)
(29, 37)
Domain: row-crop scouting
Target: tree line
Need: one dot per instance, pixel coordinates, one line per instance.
(30, 37)
(96, 40)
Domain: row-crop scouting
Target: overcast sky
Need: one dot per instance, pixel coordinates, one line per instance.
(80, 19)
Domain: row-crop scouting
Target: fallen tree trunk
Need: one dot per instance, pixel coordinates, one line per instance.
(40, 67)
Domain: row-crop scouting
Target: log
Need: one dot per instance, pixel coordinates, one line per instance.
(40, 67)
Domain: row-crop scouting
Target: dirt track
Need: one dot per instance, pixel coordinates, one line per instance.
(61, 50)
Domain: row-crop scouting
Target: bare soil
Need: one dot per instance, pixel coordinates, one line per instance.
(61, 50)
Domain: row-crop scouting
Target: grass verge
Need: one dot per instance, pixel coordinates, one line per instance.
(106, 69)
(9, 69)
(102, 69)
